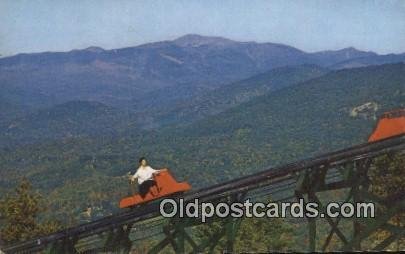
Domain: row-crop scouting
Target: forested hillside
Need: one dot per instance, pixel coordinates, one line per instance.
(332, 111)
(67, 120)
(73, 119)
(233, 94)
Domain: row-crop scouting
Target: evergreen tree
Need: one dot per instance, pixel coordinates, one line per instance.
(20, 215)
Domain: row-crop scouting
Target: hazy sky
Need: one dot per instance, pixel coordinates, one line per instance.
(57, 25)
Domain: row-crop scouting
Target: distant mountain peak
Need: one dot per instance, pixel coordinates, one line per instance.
(354, 50)
(349, 49)
(343, 55)
(94, 49)
(195, 40)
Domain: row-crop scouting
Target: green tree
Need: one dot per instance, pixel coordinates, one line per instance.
(20, 214)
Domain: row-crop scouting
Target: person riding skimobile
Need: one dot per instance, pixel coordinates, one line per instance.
(144, 174)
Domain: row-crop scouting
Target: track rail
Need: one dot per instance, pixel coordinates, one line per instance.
(250, 182)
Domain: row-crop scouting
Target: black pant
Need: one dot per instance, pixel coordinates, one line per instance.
(145, 187)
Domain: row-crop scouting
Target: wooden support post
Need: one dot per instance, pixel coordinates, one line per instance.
(230, 235)
(211, 242)
(118, 238)
(356, 224)
(312, 226)
(180, 240)
(65, 246)
(177, 236)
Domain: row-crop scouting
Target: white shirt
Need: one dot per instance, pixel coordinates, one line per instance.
(144, 173)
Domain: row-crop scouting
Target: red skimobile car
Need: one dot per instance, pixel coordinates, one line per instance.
(166, 185)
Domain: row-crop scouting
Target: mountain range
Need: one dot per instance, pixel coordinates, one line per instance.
(154, 84)
(155, 73)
